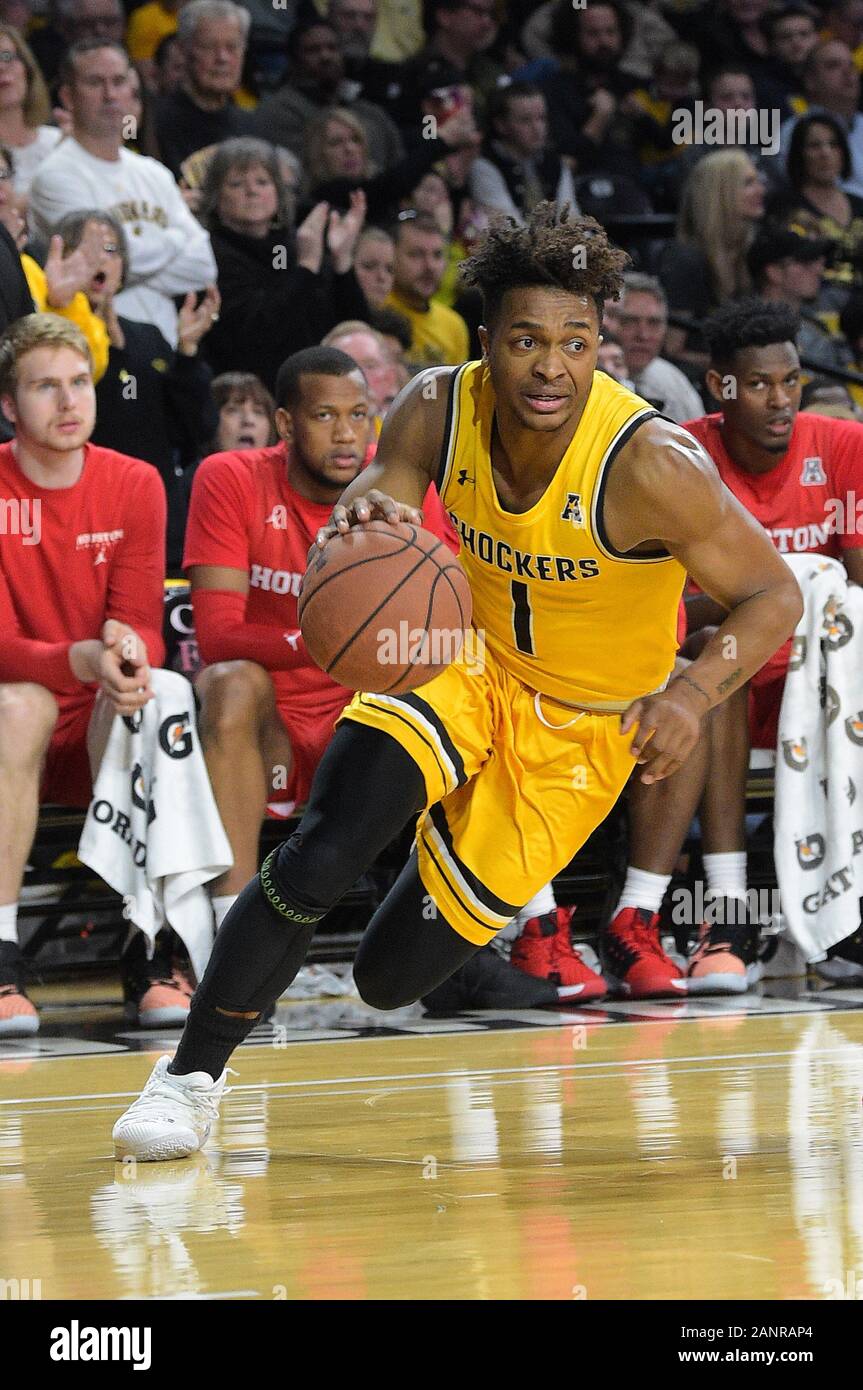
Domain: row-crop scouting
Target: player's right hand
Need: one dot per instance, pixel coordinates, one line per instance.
(123, 670)
(376, 506)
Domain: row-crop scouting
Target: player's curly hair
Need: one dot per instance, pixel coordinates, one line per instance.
(745, 323)
(545, 252)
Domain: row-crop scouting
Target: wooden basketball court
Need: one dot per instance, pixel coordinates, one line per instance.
(698, 1150)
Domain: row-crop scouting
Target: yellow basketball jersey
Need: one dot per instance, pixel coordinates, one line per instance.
(562, 610)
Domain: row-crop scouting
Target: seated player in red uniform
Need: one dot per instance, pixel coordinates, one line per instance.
(81, 575)
(788, 469)
(267, 711)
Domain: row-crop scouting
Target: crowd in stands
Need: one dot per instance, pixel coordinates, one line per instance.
(194, 192)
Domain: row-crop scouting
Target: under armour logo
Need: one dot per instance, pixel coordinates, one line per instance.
(813, 473)
(463, 478)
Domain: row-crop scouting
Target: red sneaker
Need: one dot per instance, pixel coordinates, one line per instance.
(634, 960)
(545, 950)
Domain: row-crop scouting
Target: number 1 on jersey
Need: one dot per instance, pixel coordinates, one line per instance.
(522, 617)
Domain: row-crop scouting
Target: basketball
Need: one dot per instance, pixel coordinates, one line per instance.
(384, 608)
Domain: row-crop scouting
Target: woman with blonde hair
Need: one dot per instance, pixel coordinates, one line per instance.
(705, 265)
(24, 109)
(337, 161)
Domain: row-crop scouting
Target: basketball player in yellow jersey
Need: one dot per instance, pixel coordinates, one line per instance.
(580, 510)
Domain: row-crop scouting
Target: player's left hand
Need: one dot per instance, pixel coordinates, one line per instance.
(669, 725)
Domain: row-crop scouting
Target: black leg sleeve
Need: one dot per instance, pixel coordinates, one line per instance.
(364, 792)
(408, 949)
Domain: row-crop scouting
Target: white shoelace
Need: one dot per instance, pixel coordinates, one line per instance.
(158, 1089)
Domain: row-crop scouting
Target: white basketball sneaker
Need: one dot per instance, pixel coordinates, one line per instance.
(171, 1118)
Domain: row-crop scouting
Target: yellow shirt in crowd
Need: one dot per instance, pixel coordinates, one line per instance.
(439, 335)
(78, 311)
(146, 29)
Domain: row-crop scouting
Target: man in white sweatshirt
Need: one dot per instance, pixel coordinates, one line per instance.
(169, 251)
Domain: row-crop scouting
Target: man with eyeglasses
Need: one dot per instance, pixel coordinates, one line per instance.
(170, 253)
(202, 111)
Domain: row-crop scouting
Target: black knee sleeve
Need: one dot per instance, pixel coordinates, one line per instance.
(408, 948)
(364, 793)
(264, 939)
(255, 955)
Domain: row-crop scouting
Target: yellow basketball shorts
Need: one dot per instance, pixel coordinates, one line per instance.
(515, 783)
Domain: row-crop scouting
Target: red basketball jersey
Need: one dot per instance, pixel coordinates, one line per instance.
(808, 502)
(246, 515)
(796, 501)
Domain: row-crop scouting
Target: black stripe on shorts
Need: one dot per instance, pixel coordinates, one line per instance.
(484, 894)
(420, 706)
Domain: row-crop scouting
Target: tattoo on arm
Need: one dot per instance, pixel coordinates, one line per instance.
(724, 686)
(695, 686)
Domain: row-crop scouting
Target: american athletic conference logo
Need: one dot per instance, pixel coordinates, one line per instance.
(812, 474)
(811, 851)
(795, 753)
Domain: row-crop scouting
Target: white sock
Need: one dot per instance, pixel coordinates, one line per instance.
(9, 923)
(222, 906)
(643, 889)
(541, 903)
(726, 874)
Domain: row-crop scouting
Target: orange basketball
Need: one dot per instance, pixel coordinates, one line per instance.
(384, 608)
